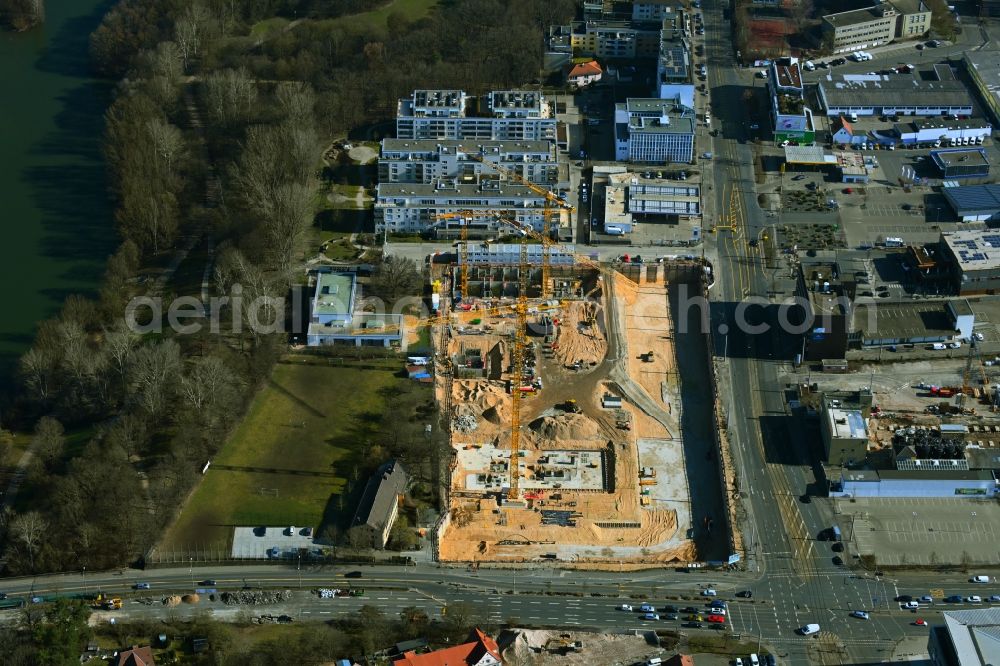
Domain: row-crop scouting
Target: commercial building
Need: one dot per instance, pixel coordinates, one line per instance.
(793, 120)
(334, 320)
(379, 505)
(974, 203)
(931, 130)
(429, 160)
(615, 40)
(827, 299)
(966, 638)
(654, 10)
(935, 481)
(479, 650)
(844, 432)
(961, 163)
(983, 68)
(650, 199)
(413, 208)
(894, 95)
(973, 258)
(654, 131)
(502, 115)
(872, 26)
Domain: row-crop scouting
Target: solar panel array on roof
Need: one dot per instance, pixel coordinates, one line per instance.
(975, 198)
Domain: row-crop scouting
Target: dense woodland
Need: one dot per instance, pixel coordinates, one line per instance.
(22, 14)
(123, 422)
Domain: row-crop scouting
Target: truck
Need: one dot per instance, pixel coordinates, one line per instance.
(836, 533)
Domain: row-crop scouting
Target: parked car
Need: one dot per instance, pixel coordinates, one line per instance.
(974, 599)
(650, 616)
(911, 605)
(860, 614)
(709, 592)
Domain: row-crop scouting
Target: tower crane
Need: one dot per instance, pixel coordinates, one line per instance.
(550, 198)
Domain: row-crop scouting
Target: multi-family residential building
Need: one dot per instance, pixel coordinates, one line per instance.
(502, 115)
(615, 39)
(872, 26)
(428, 160)
(793, 120)
(654, 131)
(412, 207)
(335, 319)
(653, 10)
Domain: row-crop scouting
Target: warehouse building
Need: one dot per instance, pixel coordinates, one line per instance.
(974, 203)
(935, 481)
(973, 258)
(962, 163)
(929, 131)
(893, 95)
(502, 115)
(654, 131)
(428, 160)
(966, 638)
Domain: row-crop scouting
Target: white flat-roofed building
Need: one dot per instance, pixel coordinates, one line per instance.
(503, 115)
(427, 160)
(974, 258)
(893, 95)
(654, 131)
(509, 254)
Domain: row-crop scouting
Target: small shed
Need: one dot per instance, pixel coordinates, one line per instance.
(610, 401)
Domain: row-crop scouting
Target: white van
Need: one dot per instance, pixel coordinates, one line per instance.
(853, 117)
(654, 661)
(979, 579)
(893, 241)
(938, 346)
(612, 230)
(808, 65)
(809, 629)
(754, 660)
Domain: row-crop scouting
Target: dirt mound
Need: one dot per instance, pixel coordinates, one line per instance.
(172, 601)
(190, 598)
(483, 399)
(493, 415)
(566, 427)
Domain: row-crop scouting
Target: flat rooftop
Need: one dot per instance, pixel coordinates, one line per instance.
(960, 157)
(439, 98)
(975, 634)
(903, 321)
(985, 66)
(789, 75)
(452, 190)
(846, 423)
(515, 100)
(894, 91)
(458, 146)
(334, 294)
(854, 17)
(977, 250)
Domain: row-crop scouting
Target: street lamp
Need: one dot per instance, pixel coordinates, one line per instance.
(85, 578)
(191, 570)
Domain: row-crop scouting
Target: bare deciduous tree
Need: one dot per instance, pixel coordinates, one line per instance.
(168, 142)
(230, 95)
(28, 529)
(49, 441)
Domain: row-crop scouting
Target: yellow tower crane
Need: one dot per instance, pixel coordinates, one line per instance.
(550, 198)
(517, 373)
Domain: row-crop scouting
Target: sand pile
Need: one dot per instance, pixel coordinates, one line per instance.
(172, 601)
(482, 399)
(190, 598)
(581, 334)
(566, 427)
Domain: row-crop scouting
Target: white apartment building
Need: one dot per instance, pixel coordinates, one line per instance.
(428, 160)
(411, 208)
(872, 26)
(654, 131)
(503, 115)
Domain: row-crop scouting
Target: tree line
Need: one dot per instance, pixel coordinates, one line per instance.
(22, 15)
(214, 132)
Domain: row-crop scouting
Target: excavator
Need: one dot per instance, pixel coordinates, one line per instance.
(107, 602)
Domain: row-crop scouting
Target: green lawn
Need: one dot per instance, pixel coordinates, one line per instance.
(304, 435)
(412, 10)
(262, 28)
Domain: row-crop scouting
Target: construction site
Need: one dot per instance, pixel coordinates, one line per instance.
(557, 377)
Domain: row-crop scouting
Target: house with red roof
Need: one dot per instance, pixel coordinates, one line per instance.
(136, 656)
(584, 73)
(843, 133)
(480, 650)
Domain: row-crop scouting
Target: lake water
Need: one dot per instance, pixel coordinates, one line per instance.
(56, 227)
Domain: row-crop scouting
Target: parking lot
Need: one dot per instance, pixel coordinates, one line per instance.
(255, 542)
(921, 531)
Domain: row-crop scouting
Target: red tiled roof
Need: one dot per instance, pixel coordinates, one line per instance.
(842, 122)
(680, 660)
(585, 69)
(460, 655)
(136, 656)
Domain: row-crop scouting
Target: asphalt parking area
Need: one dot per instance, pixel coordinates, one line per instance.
(923, 531)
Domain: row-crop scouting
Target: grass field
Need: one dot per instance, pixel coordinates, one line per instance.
(303, 437)
(411, 10)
